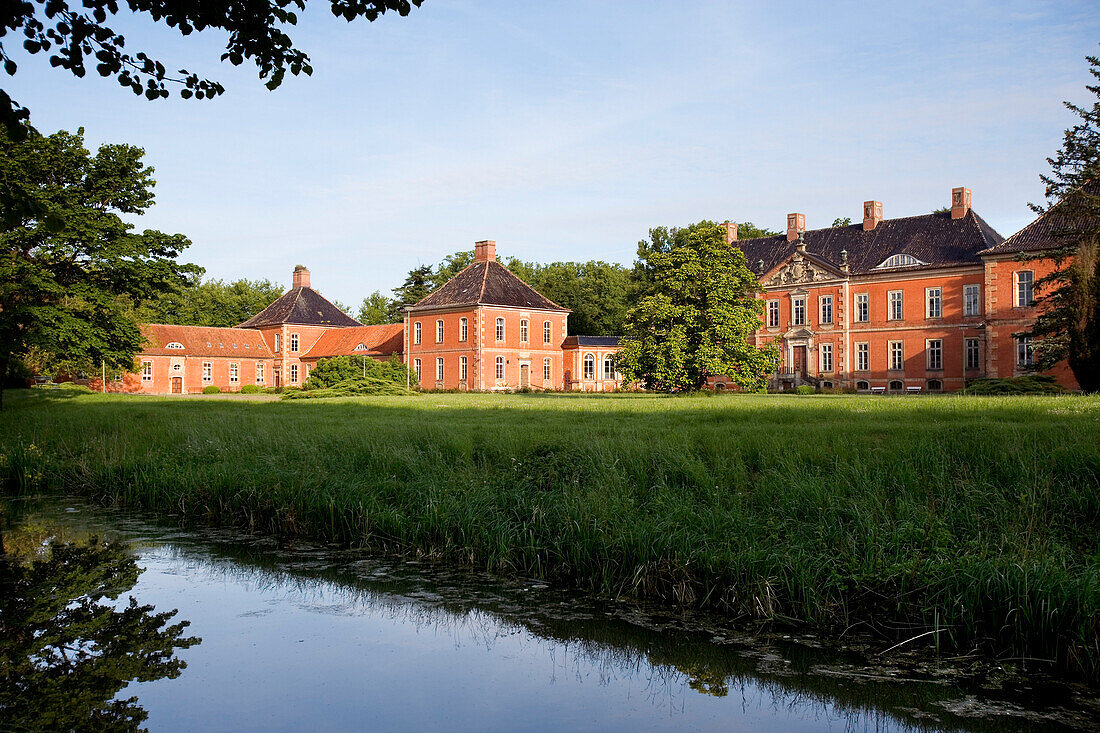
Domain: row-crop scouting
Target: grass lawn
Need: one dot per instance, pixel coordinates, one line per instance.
(976, 516)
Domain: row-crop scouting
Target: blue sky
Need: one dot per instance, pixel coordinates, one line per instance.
(565, 130)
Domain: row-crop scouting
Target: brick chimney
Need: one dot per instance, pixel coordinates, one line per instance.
(300, 279)
(872, 214)
(960, 202)
(796, 224)
(485, 251)
(731, 231)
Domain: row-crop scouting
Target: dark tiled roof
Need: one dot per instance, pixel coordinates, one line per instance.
(379, 340)
(1058, 226)
(204, 341)
(301, 306)
(486, 283)
(590, 341)
(935, 239)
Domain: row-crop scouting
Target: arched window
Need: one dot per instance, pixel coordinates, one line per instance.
(462, 368)
(547, 332)
(293, 342)
(500, 329)
(589, 366)
(416, 368)
(896, 385)
(523, 330)
(609, 367)
(935, 385)
(174, 345)
(500, 367)
(417, 328)
(863, 386)
(439, 331)
(439, 369)
(361, 347)
(900, 260)
(546, 367)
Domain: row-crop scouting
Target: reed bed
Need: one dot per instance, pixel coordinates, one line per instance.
(972, 520)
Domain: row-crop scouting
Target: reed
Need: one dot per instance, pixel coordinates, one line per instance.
(976, 518)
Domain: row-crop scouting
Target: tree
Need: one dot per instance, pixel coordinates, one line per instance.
(1068, 325)
(451, 265)
(418, 284)
(212, 303)
(76, 32)
(377, 309)
(838, 222)
(695, 315)
(596, 292)
(70, 267)
(664, 239)
(331, 372)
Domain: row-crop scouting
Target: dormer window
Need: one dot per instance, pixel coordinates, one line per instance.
(174, 345)
(900, 260)
(361, 347)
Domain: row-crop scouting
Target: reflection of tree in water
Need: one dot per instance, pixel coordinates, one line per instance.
(64, 652)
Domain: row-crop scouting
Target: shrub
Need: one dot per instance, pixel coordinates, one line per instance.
(251, 389)
(355, 387)
(211, 389)
(803, 389)
(1030, 384)
(331, 372)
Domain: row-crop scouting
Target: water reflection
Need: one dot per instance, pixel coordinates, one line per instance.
(311, 636)
(65, 651)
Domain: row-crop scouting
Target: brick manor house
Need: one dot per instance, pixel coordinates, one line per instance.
(920, 303)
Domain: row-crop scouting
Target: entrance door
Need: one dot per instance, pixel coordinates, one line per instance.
(278, 379)
(177, 385)
(799, 363)
(524, 375)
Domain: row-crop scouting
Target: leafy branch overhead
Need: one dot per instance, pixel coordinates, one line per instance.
(76, 36)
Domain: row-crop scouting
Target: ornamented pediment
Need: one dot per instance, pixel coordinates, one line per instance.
(799, 269)
(800, 333)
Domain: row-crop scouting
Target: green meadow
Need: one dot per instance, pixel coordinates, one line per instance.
(972, 520)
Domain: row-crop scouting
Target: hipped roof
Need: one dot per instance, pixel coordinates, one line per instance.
(486, 283)
(303, 307)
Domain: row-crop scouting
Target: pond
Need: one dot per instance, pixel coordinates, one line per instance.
(309, 637)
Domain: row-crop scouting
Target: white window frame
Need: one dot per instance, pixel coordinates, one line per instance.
(147, 371)
(439, 331)
(773, 313)
(933, 349)
(547, 368)
(547, 332)
(295, 342)
(826, 356)
(972, 347)
(524, 326)
(439, 369)
(294, 374)
(798, 310)
(418, 332)
(463, 328)
(609, 367)
(863, 307)
(1025, 351)
(1024, 285)
(972, 300)
(933, 302)
(863, 356)
(416, 368)
(588, 369)
(825, 309)
(260, 372)
(276, 343)
(500, 328)
(896, 305)
(173, 345)
(500, 367)
(207, 371)
(234, 372)
(463, 368)
(896, 356)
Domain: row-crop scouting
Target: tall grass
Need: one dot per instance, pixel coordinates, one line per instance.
(974, 518)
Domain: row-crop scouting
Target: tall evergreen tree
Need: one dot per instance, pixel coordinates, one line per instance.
(695, 315)
(1068, 325)
(417, 285)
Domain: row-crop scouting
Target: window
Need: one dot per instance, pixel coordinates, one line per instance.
(147, 371)
(827, 385)
(500, 367)
(897, 385)
(897, 356)
(896, 305)
(361, 347)
(863, 357)
(523, 330)
(863, 307)
(826, 358)
(798, 306)
(589, 366)
(934, 297)
(177, 367)
(546, 364)
(416, 368)
(1025, 352)
(259, 373)
(462, 368)
(973, 358)
(899, 261)
(934, 349)
(773, 314)
(307, 371)
(547, 332)
(500, 329)
(294, 343)
(972, 302)
(463, 328)
(935, 385)
(416, 332)
(207, 367)
(439, 369)
(293, 373)
(174, 345)
(863, 386)
(276, 342)
(826, 303)
(1025, 290)
(235, 372)
(439, 331)
(608, 367)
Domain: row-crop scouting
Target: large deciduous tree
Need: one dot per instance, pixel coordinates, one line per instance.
(1068, 325)
(76, 35)
(211, 303)
(376, 309)
(695, 314)
(70, 267)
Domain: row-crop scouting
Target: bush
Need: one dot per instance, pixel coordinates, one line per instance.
(211, 389)
(1030, 384)
(803, 389)
(355, 387)
(251, 389)
(331, 372)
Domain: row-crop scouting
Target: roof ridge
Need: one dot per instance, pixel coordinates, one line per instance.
(826, 229)
(484, 280)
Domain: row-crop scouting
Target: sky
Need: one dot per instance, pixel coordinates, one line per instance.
(566, 130)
